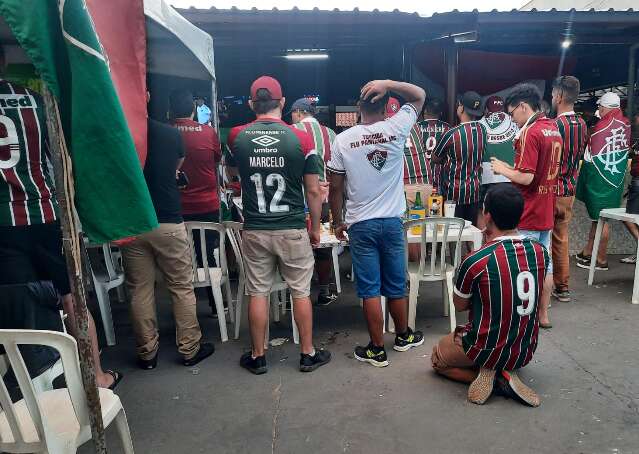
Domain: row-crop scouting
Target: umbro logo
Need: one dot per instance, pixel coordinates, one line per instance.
(265, 141)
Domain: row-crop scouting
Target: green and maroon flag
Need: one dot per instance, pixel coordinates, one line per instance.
(112, 199)
(600, 183)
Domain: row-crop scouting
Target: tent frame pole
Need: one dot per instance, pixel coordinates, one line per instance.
(452, 63)
(632, 75)
(71, 239)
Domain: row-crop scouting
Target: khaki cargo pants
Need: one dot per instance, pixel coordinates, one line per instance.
(166, 248)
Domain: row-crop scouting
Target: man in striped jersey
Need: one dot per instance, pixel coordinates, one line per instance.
(30, 235)
(303, 116)
(574, 133)
(418, 176)
(433, 129)
(460, 152)
(499, 285)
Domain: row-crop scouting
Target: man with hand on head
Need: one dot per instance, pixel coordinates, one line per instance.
(368, 162)
(277, 165)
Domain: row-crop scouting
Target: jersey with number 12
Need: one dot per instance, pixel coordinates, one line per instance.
(503, 281)
(272, 158)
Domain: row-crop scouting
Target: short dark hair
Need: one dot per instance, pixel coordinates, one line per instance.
(569, 87)
(526, 93)
(505, 204)
(264, 102)
(379, 106)
(181, 103)
(434, 106)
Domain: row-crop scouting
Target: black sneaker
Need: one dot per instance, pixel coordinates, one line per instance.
(561, 295)
(372, 355)
(408, 340)
(582, 258)
(599, 266)
(148, 364)
(309, 363)
(254, 365)
(324, 299)
(206, 350)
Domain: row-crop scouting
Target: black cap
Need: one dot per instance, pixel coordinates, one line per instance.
(471, 100)
(303, 104)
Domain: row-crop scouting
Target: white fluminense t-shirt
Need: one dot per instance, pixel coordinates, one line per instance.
(372, 159)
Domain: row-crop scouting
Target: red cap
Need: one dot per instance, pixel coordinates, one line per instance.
(392, 107)
(495, 104)
(267, 83)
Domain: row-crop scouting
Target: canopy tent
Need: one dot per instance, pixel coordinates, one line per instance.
(179, 55)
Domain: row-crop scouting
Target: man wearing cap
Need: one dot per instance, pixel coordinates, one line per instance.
(461, 151)
(277, 165)
(433, 129)
(574, 132)
(303, 116)
(368, 161)
(538, 148)
(600, 184)
(501, 131)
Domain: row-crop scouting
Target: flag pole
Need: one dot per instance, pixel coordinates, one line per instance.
(71, 239)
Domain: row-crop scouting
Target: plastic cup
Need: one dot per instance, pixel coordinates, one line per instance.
(449, 208)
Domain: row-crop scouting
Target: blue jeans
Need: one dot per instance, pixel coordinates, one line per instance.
(379, 257)
(544, 237)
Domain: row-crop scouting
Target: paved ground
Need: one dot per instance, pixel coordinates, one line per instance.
(586, 370)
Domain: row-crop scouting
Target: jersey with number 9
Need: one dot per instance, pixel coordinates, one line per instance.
(272, 158)
(503, 281)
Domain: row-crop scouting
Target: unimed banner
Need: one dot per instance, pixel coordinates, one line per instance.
(121, 28)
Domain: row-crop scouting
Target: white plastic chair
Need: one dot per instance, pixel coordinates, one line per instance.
(234, 232)
(104, 280)
(57, 421)
(209, 276)
(437, 232)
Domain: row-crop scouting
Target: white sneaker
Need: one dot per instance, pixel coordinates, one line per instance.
(630, 260)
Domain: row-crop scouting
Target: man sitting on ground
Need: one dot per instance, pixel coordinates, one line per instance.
(499, 285)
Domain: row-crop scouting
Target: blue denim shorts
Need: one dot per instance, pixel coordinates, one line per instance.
(379, 257)
(544, 237)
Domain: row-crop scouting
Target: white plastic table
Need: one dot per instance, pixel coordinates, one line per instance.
(618, 214)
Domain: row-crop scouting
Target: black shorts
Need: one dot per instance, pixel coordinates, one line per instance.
(33, 253)
(632, 206)
(468, 212)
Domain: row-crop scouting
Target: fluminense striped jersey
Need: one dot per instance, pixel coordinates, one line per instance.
(574, 131)
(462, 147)
(432, 133)
(503, 281)
(322, 137)
(417, 168)
(26, 190)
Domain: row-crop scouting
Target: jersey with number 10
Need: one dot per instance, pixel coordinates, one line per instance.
(272, 158)
(503, 281)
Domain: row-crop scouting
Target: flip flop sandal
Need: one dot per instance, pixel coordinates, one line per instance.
(545, 325)
(117, 378)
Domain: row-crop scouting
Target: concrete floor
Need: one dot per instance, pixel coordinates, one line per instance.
(586, 369)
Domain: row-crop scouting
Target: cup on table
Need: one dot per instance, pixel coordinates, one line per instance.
(449, 208)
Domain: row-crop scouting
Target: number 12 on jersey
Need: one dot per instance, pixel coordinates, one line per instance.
(272, 179)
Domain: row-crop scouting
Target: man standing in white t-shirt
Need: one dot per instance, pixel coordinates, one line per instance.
(369, 160)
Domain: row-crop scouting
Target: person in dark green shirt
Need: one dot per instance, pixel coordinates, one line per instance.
(278, 166)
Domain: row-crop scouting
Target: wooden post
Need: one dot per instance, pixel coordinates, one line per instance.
(71, 240)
